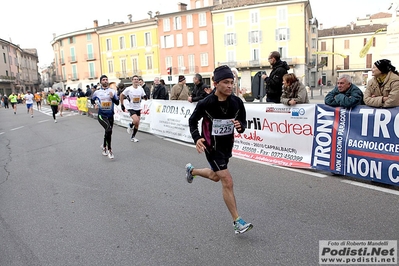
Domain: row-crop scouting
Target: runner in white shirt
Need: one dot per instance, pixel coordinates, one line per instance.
(133, 94)
(29, 102)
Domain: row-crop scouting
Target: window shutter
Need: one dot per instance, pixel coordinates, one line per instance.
(276, 33)
(249, 36)
(260, 36)
(288, 34)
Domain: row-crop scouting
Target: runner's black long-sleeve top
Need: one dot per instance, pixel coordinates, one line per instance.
(211, 108)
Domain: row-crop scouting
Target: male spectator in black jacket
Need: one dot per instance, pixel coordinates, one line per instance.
(274, 82)
(88, 91)
(145, 88)
(199, 89)
(159, 91)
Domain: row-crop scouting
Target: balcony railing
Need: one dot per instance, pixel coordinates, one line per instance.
(91, 75)
(8, 79)
(89, 57)
(72, 59)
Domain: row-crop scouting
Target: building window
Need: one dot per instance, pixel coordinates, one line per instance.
(73, 56)
(110, 66)
(282, 51)
(179, 40)
(255, 36)
(190, 38)
(230, 39)
(109, 44)
(204, 59)
(123, 66)
(231, 56)
(314, 43)
(202, 19)
(167, 41)
(255, 54)
(5, 58)
(346, 62)
(149, 62)
(166, 24)
(254, 14)
(135, 65)
(313, 29)
(92, 71)
(189, 21)
(369, 60)
(71, 40)
(203, 35)
(90, 54)
(147, 37)
(88, 36)
(282, 13)
(74, 72)
(191, 63)
(282, 34)
(177, 23)
(323, 46)
(63, 73)
(346, 44)
(122, 42)
(133, 43)
(229, 20)
(180, 63)
(168, 61)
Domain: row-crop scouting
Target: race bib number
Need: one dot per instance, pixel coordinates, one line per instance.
(106, 105)
(54, 102)
(221, 127)
(136, 100)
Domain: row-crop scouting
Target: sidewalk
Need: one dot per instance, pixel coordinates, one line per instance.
(319, 94)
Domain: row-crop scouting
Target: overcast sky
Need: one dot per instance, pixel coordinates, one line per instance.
(32, 23)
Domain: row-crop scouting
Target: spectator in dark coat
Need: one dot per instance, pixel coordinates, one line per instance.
(198, 92)
(274, 82)
(345, 94)
(159, 92)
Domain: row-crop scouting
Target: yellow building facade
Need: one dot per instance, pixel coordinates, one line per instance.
(245, 36)
(130, 49)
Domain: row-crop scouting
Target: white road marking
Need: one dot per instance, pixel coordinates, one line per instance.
(2, 133)
(385, 190)
(16, 128)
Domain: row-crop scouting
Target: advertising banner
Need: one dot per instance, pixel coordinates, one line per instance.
(277, 134)
(170, 119)
(360, 142)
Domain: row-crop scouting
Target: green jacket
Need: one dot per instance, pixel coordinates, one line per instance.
(53, 99)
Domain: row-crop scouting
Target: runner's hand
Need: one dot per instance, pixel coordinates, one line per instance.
(200, 146)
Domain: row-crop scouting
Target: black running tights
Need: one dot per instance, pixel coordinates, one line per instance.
(107, 123)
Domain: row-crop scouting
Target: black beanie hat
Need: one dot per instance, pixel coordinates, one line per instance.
(222, 72)
(181, 78)
(103, 76)
(384, 65)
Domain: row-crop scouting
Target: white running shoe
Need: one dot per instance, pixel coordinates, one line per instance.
(110, 154)
(55, 120)
(105, 152)
(134, 140)
(240, 226)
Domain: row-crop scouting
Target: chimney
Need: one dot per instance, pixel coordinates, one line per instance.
(54, 35)
(321, 26)
(181, 6)
(352, 25)
(95, 23)
(130, 18)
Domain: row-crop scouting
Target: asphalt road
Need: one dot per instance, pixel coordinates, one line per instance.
(63, 203)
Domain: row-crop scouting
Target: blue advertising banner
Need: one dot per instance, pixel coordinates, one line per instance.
(361, 142)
